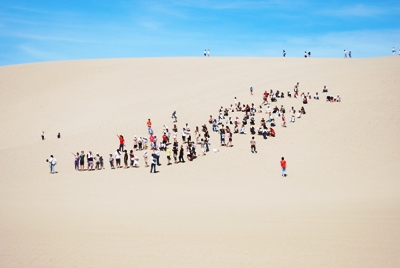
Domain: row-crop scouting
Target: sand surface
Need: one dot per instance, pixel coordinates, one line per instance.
(339, 206)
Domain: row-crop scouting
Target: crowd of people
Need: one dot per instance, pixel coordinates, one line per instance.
(238, 118)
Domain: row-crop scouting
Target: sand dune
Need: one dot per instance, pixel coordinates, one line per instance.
(339, 206)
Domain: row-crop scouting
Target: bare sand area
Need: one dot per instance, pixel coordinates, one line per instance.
(338, 207)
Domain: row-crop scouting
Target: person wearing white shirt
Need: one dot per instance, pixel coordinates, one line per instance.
(118, 159)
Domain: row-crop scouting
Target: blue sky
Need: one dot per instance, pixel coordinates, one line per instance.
(35, 30)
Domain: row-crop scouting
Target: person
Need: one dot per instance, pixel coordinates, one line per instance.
(338, 99)
(153, 163)
(168, 152)
(89, 157)
(316, 96)
(131, 157)
(126, 159)
(205, 53)
(292, 119)
(145, 157)
(58, 135)
(111, 161)
(272, 132)
(309, 54)
(284, 53)
(305, 54)
(76, 162)
(52, 163)
(174, 118)
(253, 145)
(101, 162)
(175, 152)
(136, 161)
(158, 157)
(345, 53)
(149, 130)
(349, 54)
(251, 90)
(283, 120)
(121, 142)
(118, 158)
(42, 135)
(393, 51)
(181, 153)
(324, 90)
(208, 52)
(283, 166)
(97, 161)
(399, 52)
(82, 161)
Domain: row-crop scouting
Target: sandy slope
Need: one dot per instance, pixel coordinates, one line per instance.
(339, 206)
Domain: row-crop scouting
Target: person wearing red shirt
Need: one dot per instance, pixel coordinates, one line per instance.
(121, 142)
(272, 132)
(283, 166)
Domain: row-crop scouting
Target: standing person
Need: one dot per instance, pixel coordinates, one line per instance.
(149, 130)
(205, 53)
(58, 135)
(181, 153)
(168, 152)
(76, 162)
(82, 161)
(393, 51)
(121, 142)
(111, 162)
(145, 157)
(284, 53)
(251, 90)
(158, 156)
(253, 145)
(153, 163)
(118, 158)
(345, 53)
(42, 135)
(132, 157)
(283, 120)
(52, 162)
(175, 151)
(208, 52)
(101, 162)
(90, 160)
(98, 161)
(349, 53)
(126, 159)
(305, 54)
(309, 54)
(283, 166)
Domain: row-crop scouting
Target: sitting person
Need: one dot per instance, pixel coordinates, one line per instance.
(252, 121)
(309, 95)
(243, 130)
(292, 119)
(272, 132)
(273, 99)
(316, 96)
(260, 109)
(265, 133)
(226, 112)
(289, 94)
(252, 130)
(299, 114)
(282, 110)
(210, 120)
(260, 131)
(305, 101)
(328, 98)
(229, 121)
(273, 123)
(338, 99)
(277, 94)
(303, 111)
(324, 90)
(236, 129)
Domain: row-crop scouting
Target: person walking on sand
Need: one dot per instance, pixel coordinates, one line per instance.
(253, 145)
(168, 152)
(174, 118)
(121, 142)
(251, 90)
(283, 166)
(181, 153)
(42, 135)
